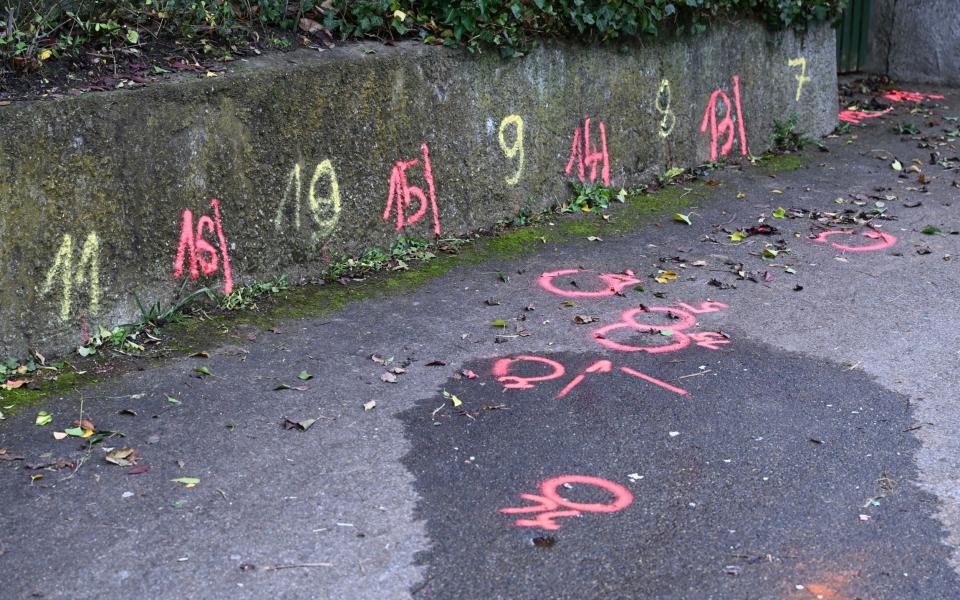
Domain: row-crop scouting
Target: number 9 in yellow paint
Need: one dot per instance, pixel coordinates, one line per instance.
(515, 150)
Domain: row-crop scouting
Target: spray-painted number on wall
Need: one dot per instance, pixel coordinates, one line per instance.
(201, 254)
(585, 155)
(664, 98)
(802, 77)
(87, 272)
(726, 125)
(398, 198)
(324, 210)
(516, 148)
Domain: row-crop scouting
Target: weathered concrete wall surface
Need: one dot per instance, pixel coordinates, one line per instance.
(101, 194)
(914, 40)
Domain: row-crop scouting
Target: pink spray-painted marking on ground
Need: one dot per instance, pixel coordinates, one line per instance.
(885, 240)
(601, 366)
(502, 373)
(682, 319)
(615, 283)
(549, 500)
(583, 154)
(501, 370)
(902, 96)
(200, 253)
(857, 116)
(399, 196)
(726, 126)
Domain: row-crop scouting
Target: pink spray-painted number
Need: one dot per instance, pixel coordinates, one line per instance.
(502, 372)
(902, 96)
(401, 192)
(614, 283)
(584, 155)
(884, 240)
(200, 253)
(857, 116)
(681, 319)
(549, 501)
(726, 126)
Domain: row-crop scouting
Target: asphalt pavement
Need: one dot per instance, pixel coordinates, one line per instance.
(748, 406)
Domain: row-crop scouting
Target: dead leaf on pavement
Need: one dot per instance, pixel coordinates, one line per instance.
(301, 425)
(665, 277)
(124, 457)
(5, 455)
(13, 384)
(584, 319)
(388, 378)
(187, 481)
(372, 404)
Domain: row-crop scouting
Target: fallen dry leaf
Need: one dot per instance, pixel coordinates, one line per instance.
(388, 378)
(372, 404)
(124, 457)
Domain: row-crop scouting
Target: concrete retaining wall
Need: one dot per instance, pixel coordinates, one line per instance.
(914, 40)
(310, 155)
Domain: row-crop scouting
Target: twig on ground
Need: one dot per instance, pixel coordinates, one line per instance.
(296, 566)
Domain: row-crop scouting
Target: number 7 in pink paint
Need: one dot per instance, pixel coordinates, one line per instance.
(726, 125)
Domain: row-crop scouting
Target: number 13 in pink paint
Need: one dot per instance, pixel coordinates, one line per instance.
(726, 125)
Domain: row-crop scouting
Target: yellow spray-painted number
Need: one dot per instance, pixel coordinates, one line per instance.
(516, 148)
(802, 77)
(669, 119)
(325, 210)
(87, 271)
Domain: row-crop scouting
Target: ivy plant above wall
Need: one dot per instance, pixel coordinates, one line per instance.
(513, 26)
(33, 32)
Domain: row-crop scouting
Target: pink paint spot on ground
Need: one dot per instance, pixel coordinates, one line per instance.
(901, 96)
(501, 370)
(550, 500)
(615, 283)
(885, 240)
(856, 116)
(680, 319)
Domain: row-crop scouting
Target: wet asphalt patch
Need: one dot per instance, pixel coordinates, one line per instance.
(775, 476)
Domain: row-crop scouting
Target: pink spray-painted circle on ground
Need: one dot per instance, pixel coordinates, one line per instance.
(622, 496)
(681, 340)
(886, 240)
(615, 283)
(501, 370)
